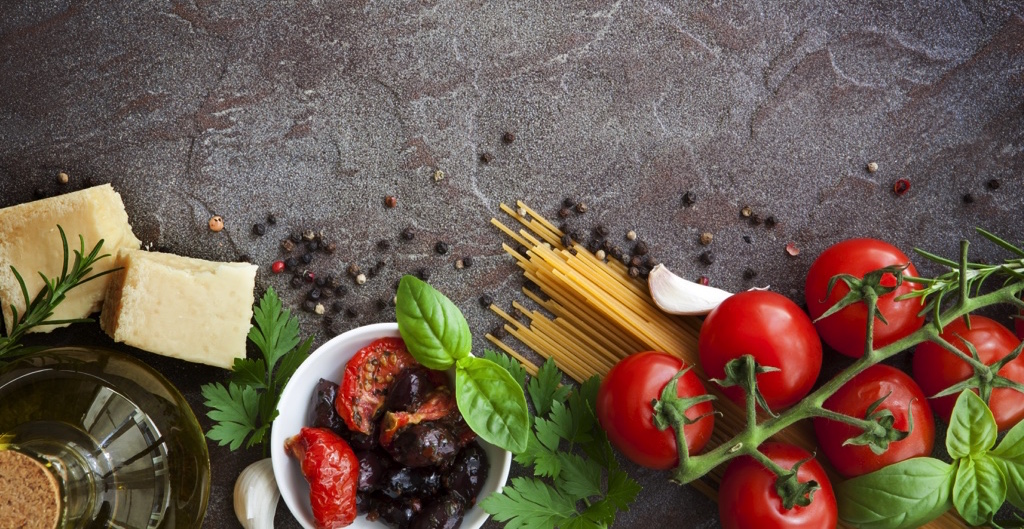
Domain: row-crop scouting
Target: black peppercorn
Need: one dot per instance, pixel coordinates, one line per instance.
(244, 258)
(382, 304)
(287, 245)
(707, 258)
(408, 234)
(467, 261)
(259, 229)
(601, 231)
(993, 184)
(516, 313)
(313, 246)
(749, 273)
(38, 193)
(321, 281)
(747, 239)
(508, 137)
(314, 294)
(636, 261)
(351, 313)
(563, 213)
(689, 198)
(486, 300)
(616, 252)
(634, 272)
(309, 306)
(486, 157)
(291, 263)
(566, 241)
(383, 245)
(307, 258)
(423, 273)
(568, 202)
(755, 219)
(640, 248)
(499, 332)
(337, 306)
(594, 245)
(333, 282)
(271, 219)
(968, 198)
(353, 270)
(296, 281)
(441, 247)
(769, 222)
(328, 321)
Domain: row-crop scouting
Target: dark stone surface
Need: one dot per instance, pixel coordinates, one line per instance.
(316, 110)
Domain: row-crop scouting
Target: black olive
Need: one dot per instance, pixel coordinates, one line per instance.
(442, 513)
(360, 441)
(324, 414)
(364, 502)
(409, 390)
(371, 471)
(467, 475)
(397, 513)
(419, 482)
(424, 444)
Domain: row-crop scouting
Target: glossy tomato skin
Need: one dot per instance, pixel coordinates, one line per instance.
(846, 330)
(747, 497)
(625, 412)
(368, 377)
(935, 369)
(904, 398)
(776, 332)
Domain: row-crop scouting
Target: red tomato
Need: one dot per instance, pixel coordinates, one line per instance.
(1018, 324)
(846, 330)
(332, 470)
(936, 369)
(776, 332)
(625, 412)
(853, 399)
(747, 498)
(368, 376)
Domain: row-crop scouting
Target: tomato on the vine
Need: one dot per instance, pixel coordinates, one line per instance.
(775, 332)
(846, 330)
(936, 369)
(367, 379)
(748, 499)
(625, 412)
(903, 399)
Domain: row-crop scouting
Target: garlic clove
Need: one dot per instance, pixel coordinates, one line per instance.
(676, 295)
(256, 495)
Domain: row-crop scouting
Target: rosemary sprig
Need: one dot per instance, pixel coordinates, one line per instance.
(965, 278)
(39, 310)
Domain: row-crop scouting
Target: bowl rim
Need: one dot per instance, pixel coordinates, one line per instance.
(293, 487)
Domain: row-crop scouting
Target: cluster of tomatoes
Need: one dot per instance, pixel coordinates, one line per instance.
(782, 337)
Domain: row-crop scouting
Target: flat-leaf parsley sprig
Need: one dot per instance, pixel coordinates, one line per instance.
(245, 408)
(577, 482)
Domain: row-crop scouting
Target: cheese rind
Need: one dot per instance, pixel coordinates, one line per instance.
(186, 308)
(30, 242)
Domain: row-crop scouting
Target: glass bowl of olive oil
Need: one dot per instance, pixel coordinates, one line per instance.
(121, 441)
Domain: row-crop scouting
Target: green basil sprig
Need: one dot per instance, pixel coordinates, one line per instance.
(916, 491)
(437, 336)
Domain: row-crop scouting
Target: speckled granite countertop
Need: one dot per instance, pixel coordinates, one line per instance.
(316, 110)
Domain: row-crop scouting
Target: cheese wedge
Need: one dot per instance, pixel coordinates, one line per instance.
(30, 242)
(186, 308)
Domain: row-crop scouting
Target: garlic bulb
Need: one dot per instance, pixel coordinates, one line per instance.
(256, 495)
(676, 295)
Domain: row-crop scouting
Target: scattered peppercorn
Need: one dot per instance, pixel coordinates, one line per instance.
(271, 219)
(635, 261)
(769, 221)
(706, 237)
(391, 201)
(634, 272)
(599, 254)
(38, 193)
(486, 300)
(244, 258)
(872, 167)
(901, 186)
(351, 313)
(747, 239)
(508, 137)
(640, 248)
(968, 198)
(689, 198)
(313, 246)
(328, 321)
(296, 281)
(383, 245)
(408, 234)
(360, 279)
(314, 294)
(216, 223)
(707, 258)
(321, 281)
(308, 276)
(749, 273)
(340, 290)
(755, 219)
(337, 306)
(566, 241)
(306, 258)
(486, 157)
(423, 273)
(568, 202)
(601, 231)
(329, 248)
(295, 237)
(630, 235)
(993, 184)
(309, 306)
(581, 207)
(441, 247)
(353, 270)
(499, 332)
(277, 267)
(563, 213)
(746, 211)
(63, 177)
(467, 261)
(287, 245)
(616, 252)
(291, 263)
(259, 229)
(309, 235)
(516, 313)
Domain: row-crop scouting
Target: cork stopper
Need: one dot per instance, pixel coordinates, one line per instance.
(29, 494)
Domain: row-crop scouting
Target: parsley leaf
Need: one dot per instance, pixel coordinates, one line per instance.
(510, 364)
(245, 408)
(572, 461)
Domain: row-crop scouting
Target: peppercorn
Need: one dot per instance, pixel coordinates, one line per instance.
(295, 237)
(467, 261)
(755, 219)
(306, 258)
(640, 248)
(993, 184)
(499, 332)
(383, 245)
(516, 313)
(566, 241)
(747, 239)
(277, 267)
(372, 272)
(328, 321)
(287, 245)
(635, 261)
(872, 167)
(291, 263)
(360, 279)
(351, 313)
(38, 193)
(568, 202)
(329, 248)
(408, 234)
(391, 201)
(259, 229)
(486, 300)
(321, 281)
(353, 270)
(746, 211)
(379, 265)
(616, 252)
(486, 157)
(309, 306)
(634, 272)
(313, 246)
(508, 137)
(706, 237)
(337, 306)
(63, 177)
(271, 219)
(216, 223)
(769, 222)
(441, 247)
(689, 198)
(244, 258)
(581, 207)
(423, 273)
(382, 304)
(314, 294)
(340, 290)
(599, 254)
(563, 213)
(707, 258)
(309, 235)
(749, 273)
(601, 231)
(968, 198)
(459, 265)
(296, 281)
(901, 186)
(308, 276)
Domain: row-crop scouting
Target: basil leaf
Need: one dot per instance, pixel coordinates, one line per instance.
(979, 490)
(1010, 456)
(904, 495)
(433, 328)
(972, 428)
(492, 402)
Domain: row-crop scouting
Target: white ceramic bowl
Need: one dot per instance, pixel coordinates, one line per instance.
(328, 362)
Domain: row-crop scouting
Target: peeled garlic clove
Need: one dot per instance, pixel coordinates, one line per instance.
(676, 295)
(256, 495)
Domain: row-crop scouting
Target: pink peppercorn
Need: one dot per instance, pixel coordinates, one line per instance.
(277, 267)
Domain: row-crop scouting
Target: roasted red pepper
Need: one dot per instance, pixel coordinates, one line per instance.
(332, 470)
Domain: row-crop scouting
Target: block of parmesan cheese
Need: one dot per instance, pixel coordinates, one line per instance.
(30, 242)
(186, 308)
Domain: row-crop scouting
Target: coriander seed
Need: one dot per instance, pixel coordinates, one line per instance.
(63, 177)
(360, 279)
(600, 255)
(630, 235)
(706, 237)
